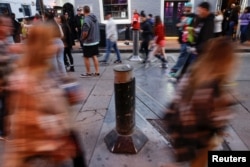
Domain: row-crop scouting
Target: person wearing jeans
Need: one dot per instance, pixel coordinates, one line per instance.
(111, 39)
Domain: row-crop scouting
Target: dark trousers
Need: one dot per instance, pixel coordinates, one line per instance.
(243, 33)
(182, 58)
(144, 48)
(79, 34)
(68, 55)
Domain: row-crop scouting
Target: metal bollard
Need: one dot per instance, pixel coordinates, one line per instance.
(126, 137)
(135, 56)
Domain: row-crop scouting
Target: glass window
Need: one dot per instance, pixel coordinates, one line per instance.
(26, 10)
(118, 8)
(5, 8)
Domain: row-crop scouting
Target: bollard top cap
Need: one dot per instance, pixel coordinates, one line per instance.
(123, 68)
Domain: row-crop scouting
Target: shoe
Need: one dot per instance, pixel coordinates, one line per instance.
(164, 65)
(86, 75)
(171, 75)
(117, 61)
(96, 74)
(72, 69)
(102, 61)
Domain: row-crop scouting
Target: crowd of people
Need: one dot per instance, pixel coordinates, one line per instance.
(33, 78)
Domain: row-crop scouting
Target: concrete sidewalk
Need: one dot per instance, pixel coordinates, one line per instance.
(95, 116)
(172, 46)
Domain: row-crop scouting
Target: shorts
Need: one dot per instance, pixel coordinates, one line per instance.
(90, 51)
(162, 43)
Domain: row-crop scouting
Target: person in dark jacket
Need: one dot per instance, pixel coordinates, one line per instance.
(233, 22)
(67, 40)
(203, 31)
(146, 34)
(204, 27)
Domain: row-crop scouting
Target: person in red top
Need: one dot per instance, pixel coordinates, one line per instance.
(159, 49)
(136, 21)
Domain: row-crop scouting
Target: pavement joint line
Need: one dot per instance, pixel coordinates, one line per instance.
(162, 106)
(234, 141)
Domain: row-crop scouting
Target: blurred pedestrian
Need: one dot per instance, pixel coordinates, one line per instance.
(185, 29)
(5, 69)
(111, 39)
(198, 115)
(244, 25)
(233, 22)
(159, 37)
(39, 128)
(151, 19)
(67, 40)
(58, 60)
(146, 35)
(203, 31)
(218, 24)
(91, 38)
(71, 22)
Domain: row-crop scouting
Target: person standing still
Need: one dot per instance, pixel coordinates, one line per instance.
(111, 39)
(78, 25)
(91, 39)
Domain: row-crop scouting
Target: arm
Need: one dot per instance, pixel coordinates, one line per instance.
(85, 30)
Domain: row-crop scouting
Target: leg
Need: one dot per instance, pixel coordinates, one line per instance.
(66, 62)
(87, 65)
(96, 64)
(71, 60)
(118, 56)
(60, 63)
(181, 59)
(108, 50)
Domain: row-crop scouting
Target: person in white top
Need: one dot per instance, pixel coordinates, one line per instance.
(111, 39)
(218, 23)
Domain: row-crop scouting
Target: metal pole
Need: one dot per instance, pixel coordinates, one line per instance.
(126, 137)
(135, 56)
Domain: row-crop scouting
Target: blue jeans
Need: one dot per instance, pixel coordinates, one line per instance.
(109, 45)
(182, 58)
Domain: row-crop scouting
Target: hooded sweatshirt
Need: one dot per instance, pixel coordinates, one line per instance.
(91, 25)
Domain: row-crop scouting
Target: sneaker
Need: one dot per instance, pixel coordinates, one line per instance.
(171, 75)
(102, 61)
(86, 75)
(164, 65)
(96, 74)
(117, 61)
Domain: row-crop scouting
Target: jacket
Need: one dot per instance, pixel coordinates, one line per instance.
(111, 30)
(136, 21)
(204, 30)
(147, 32)
(91, 26)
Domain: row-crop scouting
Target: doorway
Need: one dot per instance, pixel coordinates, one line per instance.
(172, 13)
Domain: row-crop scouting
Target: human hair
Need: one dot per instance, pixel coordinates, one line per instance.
(150, 15)
(157, 20)
(39, 48)
(247, 9)
(86, 9)
(215, 64)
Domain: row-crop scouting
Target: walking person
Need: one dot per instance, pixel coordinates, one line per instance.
(127, 35)
(218, 24)
(111, 39)
(159, 49)
(146, 35)
(186, 22)
(244, 25)
(198, 115)
(39, 128)
(67, 40)
(91, 39)
(203, 31)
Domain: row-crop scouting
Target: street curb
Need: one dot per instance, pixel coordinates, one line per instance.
(102, 50)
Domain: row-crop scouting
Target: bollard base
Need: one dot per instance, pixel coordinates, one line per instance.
(130, 144)
(135, 58)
